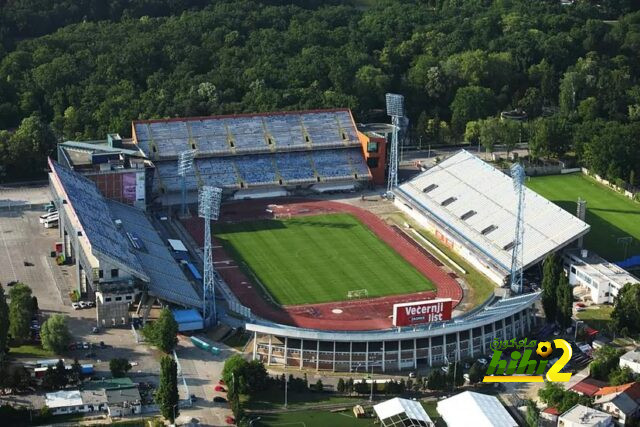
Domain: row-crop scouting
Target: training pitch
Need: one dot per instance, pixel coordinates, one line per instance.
(610, 215)
(315, 259)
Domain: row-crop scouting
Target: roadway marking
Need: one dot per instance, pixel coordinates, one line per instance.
(6, 248)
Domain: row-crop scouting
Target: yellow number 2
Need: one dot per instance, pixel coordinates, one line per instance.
(554, 373)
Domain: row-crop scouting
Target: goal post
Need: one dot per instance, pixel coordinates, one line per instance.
(357, 294)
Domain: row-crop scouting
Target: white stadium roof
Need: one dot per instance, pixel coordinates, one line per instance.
(474, 409)
(477, 202)
(402, 412)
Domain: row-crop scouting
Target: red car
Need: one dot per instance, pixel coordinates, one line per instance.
(230, 420)
(580, 304)
(219, 388)
(221, 382)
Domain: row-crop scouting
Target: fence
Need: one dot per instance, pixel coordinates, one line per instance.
(624, 192)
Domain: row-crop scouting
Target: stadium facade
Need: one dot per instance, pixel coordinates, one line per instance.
(470, 206)
(463, 337)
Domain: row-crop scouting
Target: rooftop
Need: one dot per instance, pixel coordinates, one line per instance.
(583, 415)
(402, 412)
(631, 356)
(477, 202)
(63, 399)
(588, 386)
(123, 395)
(632, 389)
(476, 409)
(600, 269)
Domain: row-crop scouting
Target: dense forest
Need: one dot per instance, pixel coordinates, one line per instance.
(77, 69)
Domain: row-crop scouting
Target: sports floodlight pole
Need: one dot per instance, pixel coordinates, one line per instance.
(185, 163)
(518, 175)
(395, 109)
(209, 199)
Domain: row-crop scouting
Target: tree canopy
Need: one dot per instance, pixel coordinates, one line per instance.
(163, 333)
(55, 334)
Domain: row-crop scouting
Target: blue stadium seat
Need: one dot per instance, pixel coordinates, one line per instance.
(256, 169)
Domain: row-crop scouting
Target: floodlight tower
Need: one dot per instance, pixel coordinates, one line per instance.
(395, 109)
(517, 175)
(208, 208)
(185, 163)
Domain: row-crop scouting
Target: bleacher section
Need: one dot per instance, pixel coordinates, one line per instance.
(261, 150)
(266, 169)
(164, 139)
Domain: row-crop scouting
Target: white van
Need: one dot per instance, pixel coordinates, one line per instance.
(51, 222)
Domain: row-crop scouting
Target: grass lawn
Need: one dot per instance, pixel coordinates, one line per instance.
(237, 340)
(597, 317)
(31, 351)
(610, 214)
(480, 285)
(319, 258)
(273, 398)
(314, 419)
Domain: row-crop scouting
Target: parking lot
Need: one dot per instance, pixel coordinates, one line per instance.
(25, 247)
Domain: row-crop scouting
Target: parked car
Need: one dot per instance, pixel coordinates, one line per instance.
(193, 398)
(445, 369)
(580, 304)
(412, 374)
(11, 283)
(102, 345)
(95, 330)
(75, 306)
(483, 361)
(219, 388)
(219, 399)
(90, 304)
(82, 304)
(85, 345)
(221, 381)
(133, 363)
(230, 420)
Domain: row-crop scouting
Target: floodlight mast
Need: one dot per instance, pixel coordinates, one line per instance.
(517, 255)
(209, 199)
(185, 164)
(395, 109)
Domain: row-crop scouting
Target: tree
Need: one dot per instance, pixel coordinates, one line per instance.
(349, 385)
(458, 380)
(606, 359)
(166, 396)
(554, 395)
(532, 416)
(471, 103)
(232, 374)
(119, 367)
(20, 312)
(4, 322)
(564, 298)
(626, 309)
(60, 374)
(55, 334)
(163, 333)
(550, 137)
(550, 276)
(76, 372)
(619, 376)
(49, 379)
(319, 385)
(361, 387)
(341, 386)
(437, 380)
(34, 305)
(476, 373)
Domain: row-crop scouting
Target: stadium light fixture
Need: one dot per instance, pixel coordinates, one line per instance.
(209, 199)
(185, 164)
(395, 109)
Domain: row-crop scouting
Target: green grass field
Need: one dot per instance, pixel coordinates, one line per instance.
(319, 258)
(610, 215)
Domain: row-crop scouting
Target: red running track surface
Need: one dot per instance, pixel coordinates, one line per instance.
(355, 315)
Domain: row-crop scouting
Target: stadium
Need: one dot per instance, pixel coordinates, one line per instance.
(320, 280)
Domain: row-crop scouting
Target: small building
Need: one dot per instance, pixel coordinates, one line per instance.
(583, 416)
(474, 409)
(631, 359)
(188, 319)
(602, 278)
(588, 387)
(123, 401)
(622, 402)
(550, 414)
(76, 401)
(402, 412)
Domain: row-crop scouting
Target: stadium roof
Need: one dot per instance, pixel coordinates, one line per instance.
(246, 133)
(167, 281)
(92, 212)
(402, 412)
(474, 409)
(476, 202)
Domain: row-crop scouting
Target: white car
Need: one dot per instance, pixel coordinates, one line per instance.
(89, 304)
(75, 306)
(133, 363)
(482, 361)
(82, 304)
(445, 369)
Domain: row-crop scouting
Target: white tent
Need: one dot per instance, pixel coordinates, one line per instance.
(480, 410)
(402, 412)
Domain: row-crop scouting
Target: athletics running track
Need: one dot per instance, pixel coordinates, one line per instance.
(356, 315)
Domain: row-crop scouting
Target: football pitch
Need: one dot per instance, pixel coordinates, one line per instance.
(610, 215)
(319, 258)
